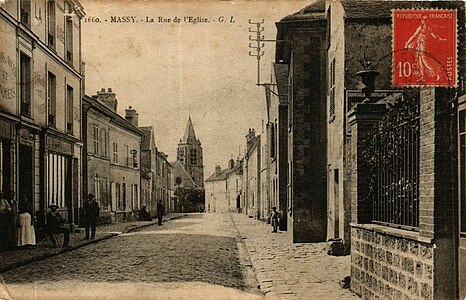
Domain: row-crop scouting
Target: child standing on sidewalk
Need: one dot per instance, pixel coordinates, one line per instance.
(274, 219)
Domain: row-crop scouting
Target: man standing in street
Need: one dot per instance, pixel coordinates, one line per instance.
(90, 215)
(160, 212)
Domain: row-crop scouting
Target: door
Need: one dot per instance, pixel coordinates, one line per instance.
(462, 199)
(25, 176)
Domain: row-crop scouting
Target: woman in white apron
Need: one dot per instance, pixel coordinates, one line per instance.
(26, 233)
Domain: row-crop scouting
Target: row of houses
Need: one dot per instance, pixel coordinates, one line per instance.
(379, 170)
(58, 144)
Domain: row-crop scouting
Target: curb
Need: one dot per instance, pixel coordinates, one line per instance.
(69, 249)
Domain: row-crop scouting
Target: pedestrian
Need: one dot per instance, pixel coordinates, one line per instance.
(144, 214)
(26, 234)
(90, 215)
(160, 212)
(55, 224)
(274, 219)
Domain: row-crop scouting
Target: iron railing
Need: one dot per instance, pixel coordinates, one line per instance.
(394, 184)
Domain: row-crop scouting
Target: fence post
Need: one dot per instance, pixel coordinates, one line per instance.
(362, 119)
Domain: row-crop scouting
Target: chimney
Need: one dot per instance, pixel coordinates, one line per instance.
(231, 163)
(108, 98)
(218, 170)
(132, 116)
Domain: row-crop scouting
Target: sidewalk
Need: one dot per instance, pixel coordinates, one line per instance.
(10, 259)
(292, 271)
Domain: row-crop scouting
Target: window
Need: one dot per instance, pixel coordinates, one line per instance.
(115, 152)
(103, 143)
(51, 22)
(272, 141)
(103, 188)
(331, 91)
(26, 12)
(69, 40)
(52, 99)
(95, 140)
(57, 174)
(128, 159)
(69, 109)
(135, 196)
(193, 156)
(25, 74)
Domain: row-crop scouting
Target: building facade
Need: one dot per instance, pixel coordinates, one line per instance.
(304, 36)
(223, 188)
(40, 100)
(251, 176)
(112, 143)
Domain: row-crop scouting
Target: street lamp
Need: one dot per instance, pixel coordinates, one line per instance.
(368, 76)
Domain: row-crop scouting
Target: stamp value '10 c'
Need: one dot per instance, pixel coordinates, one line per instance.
(424, 48)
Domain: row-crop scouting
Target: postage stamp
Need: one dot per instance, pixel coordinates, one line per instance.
(424, 48)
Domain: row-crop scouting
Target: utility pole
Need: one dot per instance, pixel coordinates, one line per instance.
(259, 40)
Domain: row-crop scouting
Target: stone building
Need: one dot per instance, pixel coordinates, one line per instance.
(113, 147)
(250, 202)
(163, 182)
(148, 169)
(303, 50)
(224, 187)
(277, 141)
(40, 100)
(398, 212)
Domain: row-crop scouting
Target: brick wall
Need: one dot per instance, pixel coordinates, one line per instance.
(390, 267)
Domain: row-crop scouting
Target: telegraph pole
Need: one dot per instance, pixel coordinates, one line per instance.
(259, 40)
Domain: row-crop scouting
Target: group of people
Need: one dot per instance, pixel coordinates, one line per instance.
(144, 215)
(20, 220)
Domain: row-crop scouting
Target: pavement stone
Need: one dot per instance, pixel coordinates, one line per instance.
(16, 257)
(199, 256)
(292, 271)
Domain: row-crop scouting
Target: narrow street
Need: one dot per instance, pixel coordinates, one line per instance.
(197, 257)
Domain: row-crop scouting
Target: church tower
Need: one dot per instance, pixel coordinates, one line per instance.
(189, 154)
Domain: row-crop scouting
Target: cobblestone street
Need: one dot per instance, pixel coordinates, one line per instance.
(196, 257)
(200, 256)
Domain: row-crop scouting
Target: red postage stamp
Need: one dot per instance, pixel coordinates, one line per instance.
(424, 48)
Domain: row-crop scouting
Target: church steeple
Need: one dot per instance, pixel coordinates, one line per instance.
(189, 135)
(190, 154)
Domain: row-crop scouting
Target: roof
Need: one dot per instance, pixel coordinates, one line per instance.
(376, 9)
(189, 135)
(114, 116)
(315, 10)
(147, 137)
(281, 76)
(180, 171)
(221, 176)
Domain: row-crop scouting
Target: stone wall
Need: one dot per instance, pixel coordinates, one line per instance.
(390, 267)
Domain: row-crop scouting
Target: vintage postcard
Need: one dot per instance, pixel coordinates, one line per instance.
(232, 149)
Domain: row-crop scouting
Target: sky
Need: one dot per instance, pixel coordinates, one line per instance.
(169, 70)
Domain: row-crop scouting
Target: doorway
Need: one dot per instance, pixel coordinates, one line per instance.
(25, 175)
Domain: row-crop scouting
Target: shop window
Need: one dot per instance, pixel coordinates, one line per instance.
(58, 174)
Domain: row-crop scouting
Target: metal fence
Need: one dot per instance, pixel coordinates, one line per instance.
(394, 185)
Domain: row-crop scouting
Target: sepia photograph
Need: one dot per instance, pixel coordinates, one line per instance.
(232, 149)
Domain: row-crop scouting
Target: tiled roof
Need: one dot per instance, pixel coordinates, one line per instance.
(180, 171)
(315, 10)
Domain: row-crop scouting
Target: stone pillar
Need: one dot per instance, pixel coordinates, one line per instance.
(362, 119)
